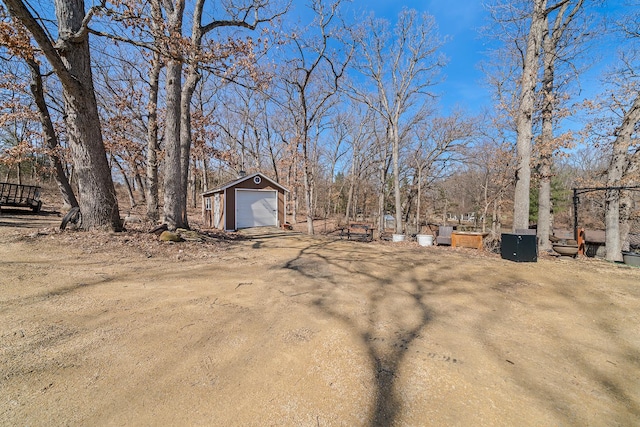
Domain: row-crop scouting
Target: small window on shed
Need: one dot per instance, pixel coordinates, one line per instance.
(207, 203)
(257, 179)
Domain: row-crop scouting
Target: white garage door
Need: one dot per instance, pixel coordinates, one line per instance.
(256, 208)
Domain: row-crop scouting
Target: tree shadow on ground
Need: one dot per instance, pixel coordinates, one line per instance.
(27, 219)
(576, 362)
(396, 307)
(403, 296)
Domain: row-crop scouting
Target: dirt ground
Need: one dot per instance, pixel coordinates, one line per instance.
(288, 330)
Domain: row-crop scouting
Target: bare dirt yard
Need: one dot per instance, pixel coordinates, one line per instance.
(289, 330)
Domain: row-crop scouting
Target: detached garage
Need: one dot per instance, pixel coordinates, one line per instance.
(249, 201)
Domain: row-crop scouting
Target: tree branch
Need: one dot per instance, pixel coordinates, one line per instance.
(82, 33)
(19, 11)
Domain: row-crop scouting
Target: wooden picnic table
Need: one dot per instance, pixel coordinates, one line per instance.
(358, 231)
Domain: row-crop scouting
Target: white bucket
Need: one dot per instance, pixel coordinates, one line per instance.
(398, 237)
(425, 239)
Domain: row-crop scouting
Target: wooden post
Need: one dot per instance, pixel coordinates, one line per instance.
(581, 240)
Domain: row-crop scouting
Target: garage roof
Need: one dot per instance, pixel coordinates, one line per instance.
(241, 179)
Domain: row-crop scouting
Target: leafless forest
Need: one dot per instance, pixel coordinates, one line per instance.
(166, 99)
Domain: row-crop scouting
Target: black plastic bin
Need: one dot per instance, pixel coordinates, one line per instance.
(519, 247)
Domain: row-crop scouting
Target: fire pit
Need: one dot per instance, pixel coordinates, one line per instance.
(631, 258)
(566, 250)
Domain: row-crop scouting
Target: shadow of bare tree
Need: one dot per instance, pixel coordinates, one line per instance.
(396, 310)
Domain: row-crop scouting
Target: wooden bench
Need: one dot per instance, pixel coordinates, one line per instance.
(357, 231)
(467, 239)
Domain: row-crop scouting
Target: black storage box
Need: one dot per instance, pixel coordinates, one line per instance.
(519, 247)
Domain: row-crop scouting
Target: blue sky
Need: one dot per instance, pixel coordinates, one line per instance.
(458, 21)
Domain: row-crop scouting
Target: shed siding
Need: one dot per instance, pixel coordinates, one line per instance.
(230, 209)
(281, 211)
(222, 212)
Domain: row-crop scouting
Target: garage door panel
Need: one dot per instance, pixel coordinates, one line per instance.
(256, 208)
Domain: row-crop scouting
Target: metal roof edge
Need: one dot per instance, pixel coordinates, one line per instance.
(239, 180)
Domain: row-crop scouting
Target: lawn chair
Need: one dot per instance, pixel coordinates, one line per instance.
(444, 235)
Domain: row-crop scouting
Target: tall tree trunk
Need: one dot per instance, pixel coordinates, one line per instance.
(496, 225)
(612, 225)
(307, 180)
(174, 192)
(152, 142)
(620, 162)
(525, 116)
(205, 174)
(419, 197)
(127, 183)
(140, 183)
(384, 172)
(188, 90)
(551, 39)
(71, 61)
(626, 207)
(347, 214)
(545, 217)
(352, 184)
(193, 174)
(395, 140)
(485, 198)
(546, 138)
(308, 198)
(97, 195)
(292, 183)
(381, 213)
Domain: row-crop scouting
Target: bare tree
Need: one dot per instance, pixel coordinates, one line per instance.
(311, 80)
(18, 121)
(440, 144)
(70, 59)
(177, 50)
(537, 35)
(491, 162)
(400, 65)
(16, 41)
(624, 160)
(153, 146)
(383, 159)
(50, 135)
(524, 116)
(143, 26)
(359, 127)
(561, 42)
(621, 105)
